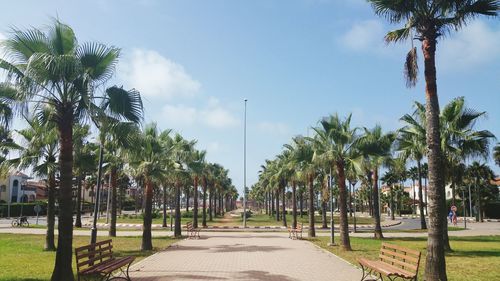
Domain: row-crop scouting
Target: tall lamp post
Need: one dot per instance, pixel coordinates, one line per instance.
(245, 167)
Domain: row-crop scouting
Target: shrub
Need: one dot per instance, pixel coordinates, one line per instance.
(28, 209)
(248, 214)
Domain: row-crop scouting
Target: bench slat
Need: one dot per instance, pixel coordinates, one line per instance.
(95, 252)
(90, 246)
(392, 261)
(402, 249)
(102, 257)
(398, 254)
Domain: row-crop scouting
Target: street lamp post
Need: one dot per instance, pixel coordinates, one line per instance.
(354, 195)
(245, 167)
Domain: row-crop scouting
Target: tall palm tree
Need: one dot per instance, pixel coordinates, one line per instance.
(181, 151)
(149, 161)
(41, 150)
(335, 144)
(196, 164)
(376, 148)
(84, 161)
(52, 68)
(411, 143)
(428, 20)
(303, 157)
(116, 137)
(480, 174)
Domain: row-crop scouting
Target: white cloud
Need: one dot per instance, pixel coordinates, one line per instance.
(275, 128)
(213, 147)
(364, 36)
(212, 115)
(474, 45)
(179, 114)
(156, 76)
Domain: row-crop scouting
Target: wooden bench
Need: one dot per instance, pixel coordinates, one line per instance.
(97, 261)
(394, 262)
(293, 233)
(192, 232)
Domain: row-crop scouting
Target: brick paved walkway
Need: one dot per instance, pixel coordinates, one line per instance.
(244, 256)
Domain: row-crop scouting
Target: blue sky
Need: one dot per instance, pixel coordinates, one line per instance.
(295, 60)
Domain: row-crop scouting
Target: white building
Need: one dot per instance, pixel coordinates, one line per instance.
(13, 189)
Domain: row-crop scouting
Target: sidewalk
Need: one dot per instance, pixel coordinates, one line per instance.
(244, 256)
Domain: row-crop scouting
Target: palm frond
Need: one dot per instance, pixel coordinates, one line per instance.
(411, 68)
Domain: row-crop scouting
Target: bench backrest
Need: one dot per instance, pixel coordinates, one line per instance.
(401, 257)
(88, 256)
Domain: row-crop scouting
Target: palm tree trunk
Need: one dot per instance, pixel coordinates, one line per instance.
(301, 199)
(324, 200)
(49, 238)
(423, 224)
(210, 207)
(112, 226)
(391, 195)
(344, 225)
(294, 205)
(147, 243)
(164, 223)
(277, 197)
(204, 216)
(311, 232)
(435, 266)
(177, 224)
(63, 270)
(271, 202)
(187, 199)
(78, 220)
(378, 229)
(370, 193)
(283, 208)
(195, 203)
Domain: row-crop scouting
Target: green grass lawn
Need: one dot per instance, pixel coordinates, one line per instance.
(263, 220)
(473, 258)
(255, 220)
(22, 256)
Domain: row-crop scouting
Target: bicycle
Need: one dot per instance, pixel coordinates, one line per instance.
(20, 221)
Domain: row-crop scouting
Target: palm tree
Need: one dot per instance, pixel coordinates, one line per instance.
(116, 137)
(480, 174)
(335, 144)
(84, 161)
(376, 147)
(40, 153)
(196, 166)
(149, 161)
(181, 151)
(53, 69)
(428, 20)
(303, 157)
(411, 143)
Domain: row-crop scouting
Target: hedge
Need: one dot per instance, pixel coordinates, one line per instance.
(28, 209)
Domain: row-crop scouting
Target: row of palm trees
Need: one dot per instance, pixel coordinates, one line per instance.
(58, 86)
(351, 155)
